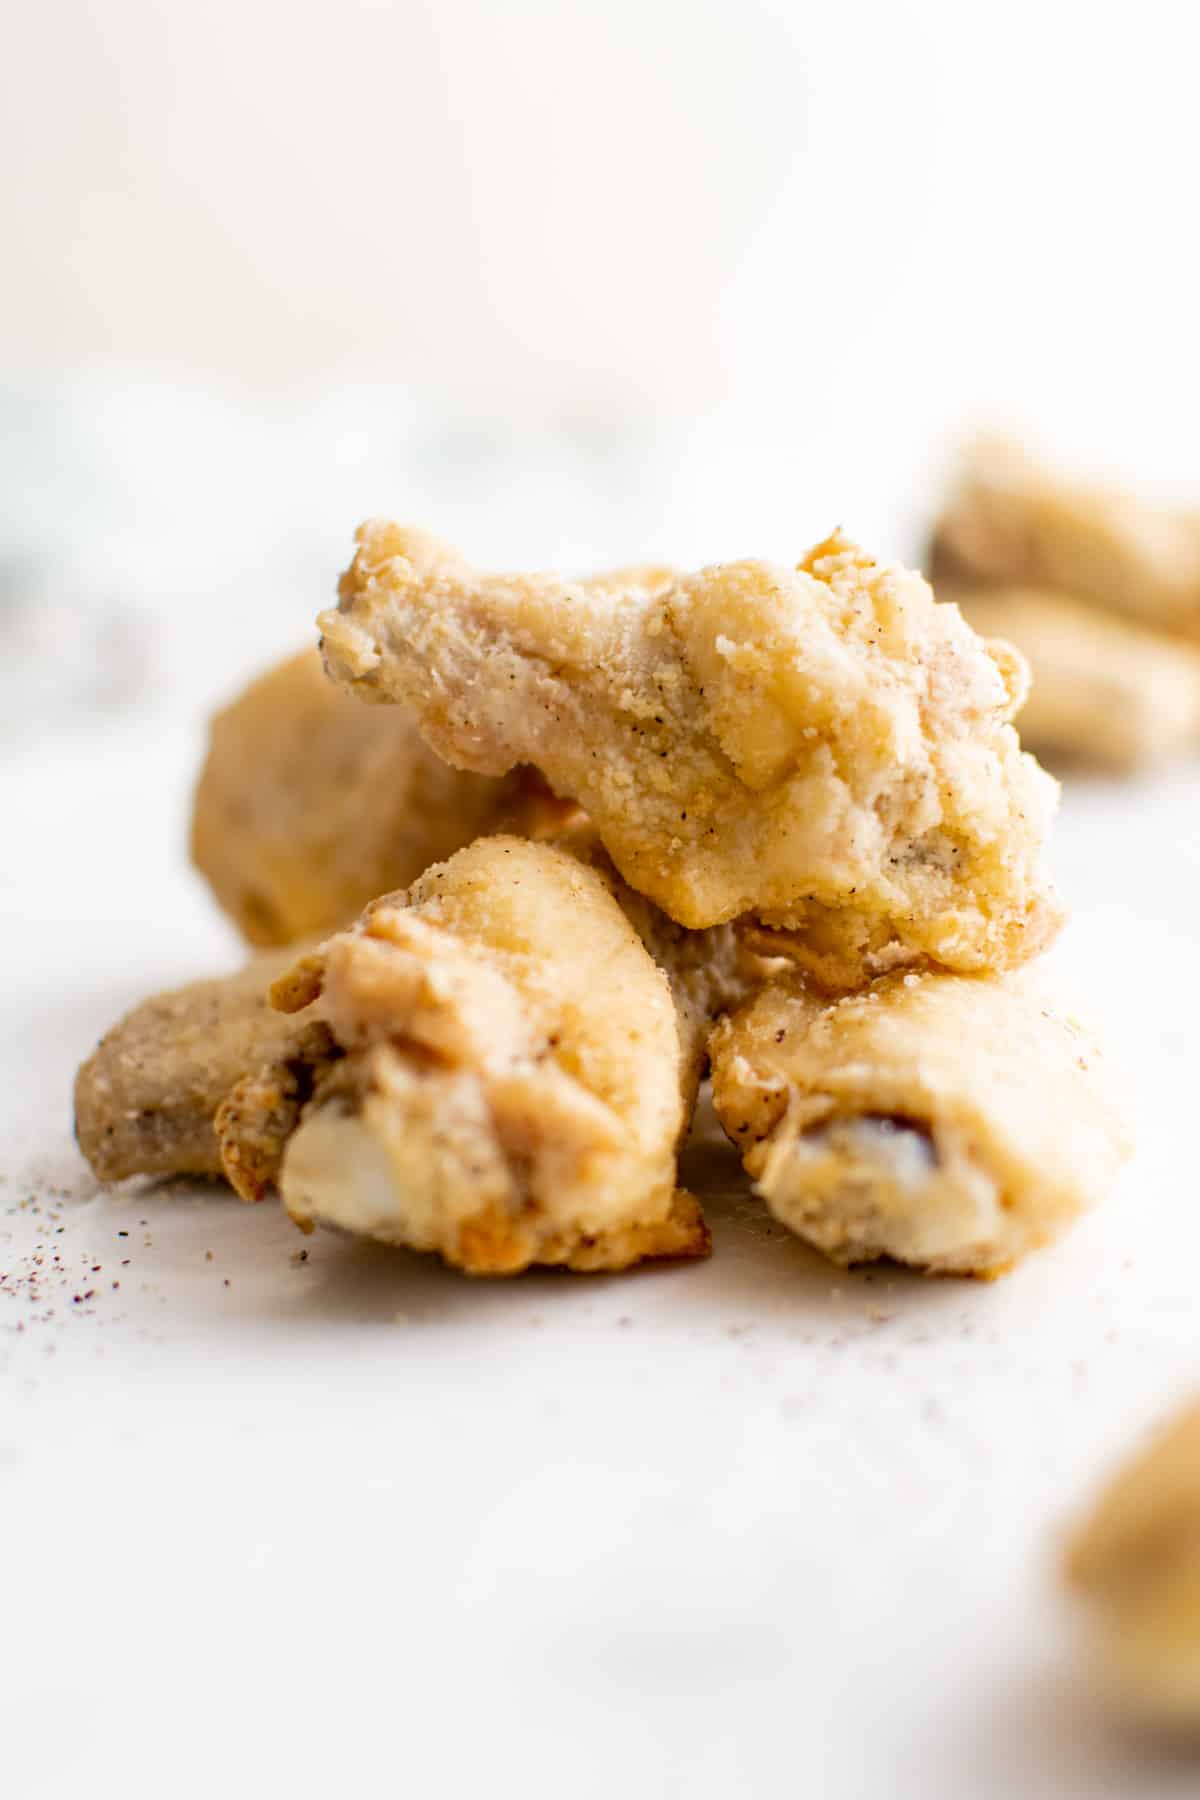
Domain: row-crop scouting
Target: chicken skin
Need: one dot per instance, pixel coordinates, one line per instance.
(499, 1064)
(822, 751)
(517, 1047)
(951, 1122)
(308, 806)
(146, 1099)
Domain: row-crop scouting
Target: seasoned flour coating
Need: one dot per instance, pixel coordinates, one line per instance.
(146, 1098)
(952, 1122)
(823, 748)
(308, 806)
(1135, 1563)
(1011, 522)
(516, 1070)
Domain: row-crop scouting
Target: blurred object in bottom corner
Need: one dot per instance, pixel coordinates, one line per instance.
(1134, 1563)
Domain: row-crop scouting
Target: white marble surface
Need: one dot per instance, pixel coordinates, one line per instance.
(355, 1525)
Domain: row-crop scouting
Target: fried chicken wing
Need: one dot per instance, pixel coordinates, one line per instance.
(146, 1098)
(1105, 692)
(952, 1122)
(824, 749)
(1012, 522)
(521, 1042)
(308, 806)
(1135, 1563)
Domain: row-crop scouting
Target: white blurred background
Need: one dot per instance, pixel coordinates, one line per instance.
(570, 283)
(567, 283)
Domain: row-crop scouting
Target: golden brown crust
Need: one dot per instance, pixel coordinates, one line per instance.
(1010, 522)
(823, 748)
(1135, 1562)
(146, 1098)
(308, 806)
(259, 1114)
(517, 1071)
(491, 1243)
(952, 1122)
(1105, 692)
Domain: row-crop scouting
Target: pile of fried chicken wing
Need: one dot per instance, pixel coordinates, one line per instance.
(526, 860)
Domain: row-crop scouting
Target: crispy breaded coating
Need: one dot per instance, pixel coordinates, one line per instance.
(1135, 1563)
(952, 1122)
(308, 806)
(517, 1070)
(146, 1097)
(262, 1109)
(1011, 522)
(1105, 692)
(823, 748)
